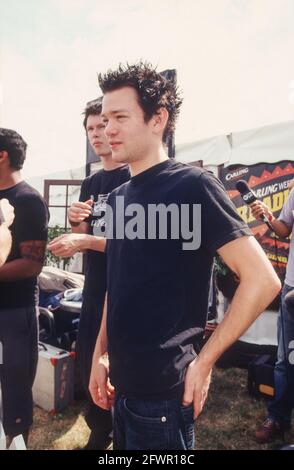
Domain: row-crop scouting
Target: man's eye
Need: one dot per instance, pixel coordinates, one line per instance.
(121, 117)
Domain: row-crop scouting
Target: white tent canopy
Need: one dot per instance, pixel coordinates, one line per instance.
(213, 151)
(267, 144)
(264, 145)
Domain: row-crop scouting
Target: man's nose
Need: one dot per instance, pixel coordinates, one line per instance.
(96, 132)
(110, 129)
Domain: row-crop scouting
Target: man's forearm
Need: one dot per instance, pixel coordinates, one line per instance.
(19, 269)
(95, 243)
(101, 343)
(280, 228)
(5, 243)
(90, 242)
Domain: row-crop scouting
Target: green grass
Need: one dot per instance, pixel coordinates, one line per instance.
(231, 416)
(228, 421)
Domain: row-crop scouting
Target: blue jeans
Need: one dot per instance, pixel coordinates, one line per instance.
(152, 425)
(280, 408)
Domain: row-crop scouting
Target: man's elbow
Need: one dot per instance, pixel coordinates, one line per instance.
(272, 287)
(278, 286)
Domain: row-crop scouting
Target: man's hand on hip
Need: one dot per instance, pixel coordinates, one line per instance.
(197, 383)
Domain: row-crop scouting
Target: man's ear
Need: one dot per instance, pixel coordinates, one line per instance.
(3, 155)
(160, 119)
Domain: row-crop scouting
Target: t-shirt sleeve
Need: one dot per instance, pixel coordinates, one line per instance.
(287, 213)
(85, 194)
(32, 218)
(220, 222)
(85, 191)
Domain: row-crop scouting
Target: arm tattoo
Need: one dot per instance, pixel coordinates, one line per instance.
(33, 250)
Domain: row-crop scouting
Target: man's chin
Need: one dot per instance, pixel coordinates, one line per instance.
(105, 155)
(119, 158)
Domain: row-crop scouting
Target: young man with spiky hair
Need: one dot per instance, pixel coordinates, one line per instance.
(87, 221)
(157, 290)
(18, 287)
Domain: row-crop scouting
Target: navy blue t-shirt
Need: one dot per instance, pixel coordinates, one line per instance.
(99, 186)
(158, 292)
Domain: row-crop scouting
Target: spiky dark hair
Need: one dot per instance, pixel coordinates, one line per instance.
(92, 108)
(15, 146)
(154, 90)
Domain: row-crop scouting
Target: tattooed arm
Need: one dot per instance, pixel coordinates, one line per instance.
(29, 264)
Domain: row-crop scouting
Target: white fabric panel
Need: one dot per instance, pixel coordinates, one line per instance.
(214, 151)
(268, 144)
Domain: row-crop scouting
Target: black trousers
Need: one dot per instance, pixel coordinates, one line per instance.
(18, 364)
(98, 420)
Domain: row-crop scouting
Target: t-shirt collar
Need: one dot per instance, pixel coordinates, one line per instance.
(151, 172)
